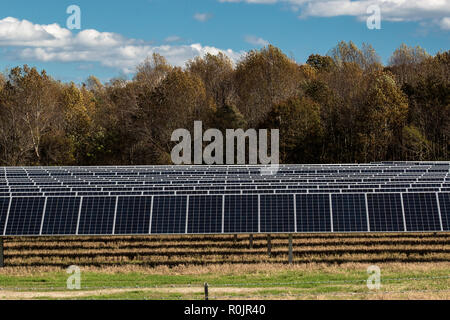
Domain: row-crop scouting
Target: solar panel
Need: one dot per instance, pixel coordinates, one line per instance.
(205, 214)
(97, 215)
(349, 213)
(277, 213)
(168, 215)
(241, 214)
(61, 216)
(4, 205)
(313, 212)
(133, 215)
(421, 212)
(25, 216)
(229, 199)
(444, 204)
(385, 212)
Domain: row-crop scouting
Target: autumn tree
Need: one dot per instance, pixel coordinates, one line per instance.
(29, 110)
(405, 62)
(177, 102)
(340, 107)
(216, 72)
(298, 120)
(320, 63)
(152, 71)
(229, 117)
(428, 91)
(262, 79)
(365, 58)
(382, 118)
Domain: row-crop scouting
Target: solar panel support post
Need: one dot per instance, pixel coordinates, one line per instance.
(269, 245)
(290, 249)
(235, 239)
(2, 259)
(250, 244)
(206, 291)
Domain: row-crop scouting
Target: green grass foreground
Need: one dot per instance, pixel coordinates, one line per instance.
(307, 281)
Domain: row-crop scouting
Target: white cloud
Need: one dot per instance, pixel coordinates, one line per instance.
(28, 41)
(173, 39)
(256, 41)
(445, 23)
(391, 10)
(202, 17)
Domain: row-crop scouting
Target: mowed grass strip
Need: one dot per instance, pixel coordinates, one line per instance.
(269, 281)
(174, 267)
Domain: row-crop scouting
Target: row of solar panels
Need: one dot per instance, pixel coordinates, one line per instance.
(173, 176)
(219, 170)
(225, 166)
(191, 184)
(176, 174)
(244, 186)
(188, 185)
(318, 184)
(215, 214)
(181, 172)
(225, 179)
(217, 192)
(191, 181)
(151, 177)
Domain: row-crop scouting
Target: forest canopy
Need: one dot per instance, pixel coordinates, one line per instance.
(343, 107)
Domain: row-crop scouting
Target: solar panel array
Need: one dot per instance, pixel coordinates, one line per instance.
(377, 197)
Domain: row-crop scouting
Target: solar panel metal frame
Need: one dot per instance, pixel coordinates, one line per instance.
(187, 233)
(120, 181)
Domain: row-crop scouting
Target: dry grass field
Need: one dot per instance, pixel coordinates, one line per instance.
(326, 266)
(206, 250)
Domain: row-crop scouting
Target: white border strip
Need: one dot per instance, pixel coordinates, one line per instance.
(79, 215)
(403, 213)
(367, 213)
(295, 213)
(187, 214)
(7, 215)
(259, 213)
(223, 213)
(439, 212)
(151, 217)
(331, 212)
(115, 216)
(43, 216)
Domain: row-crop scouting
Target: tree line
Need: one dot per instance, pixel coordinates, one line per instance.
(343, 107)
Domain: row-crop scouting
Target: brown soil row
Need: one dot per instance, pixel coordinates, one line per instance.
(202, 250)
(208, 251)
(317, 237)
(241, 244)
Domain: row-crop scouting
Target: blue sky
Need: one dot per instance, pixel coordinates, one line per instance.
(117, 35)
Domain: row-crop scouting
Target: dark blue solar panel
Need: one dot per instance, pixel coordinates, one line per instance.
(421, 212)
(277, 213)
(385, 212)
(25, 216)
(241, 214)
(169, 215)
(349, 213)
(133, 215)
(4, 204)
(97, 215)
(313, 213)
(61, 216)
(444, 203)
(205, 214)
